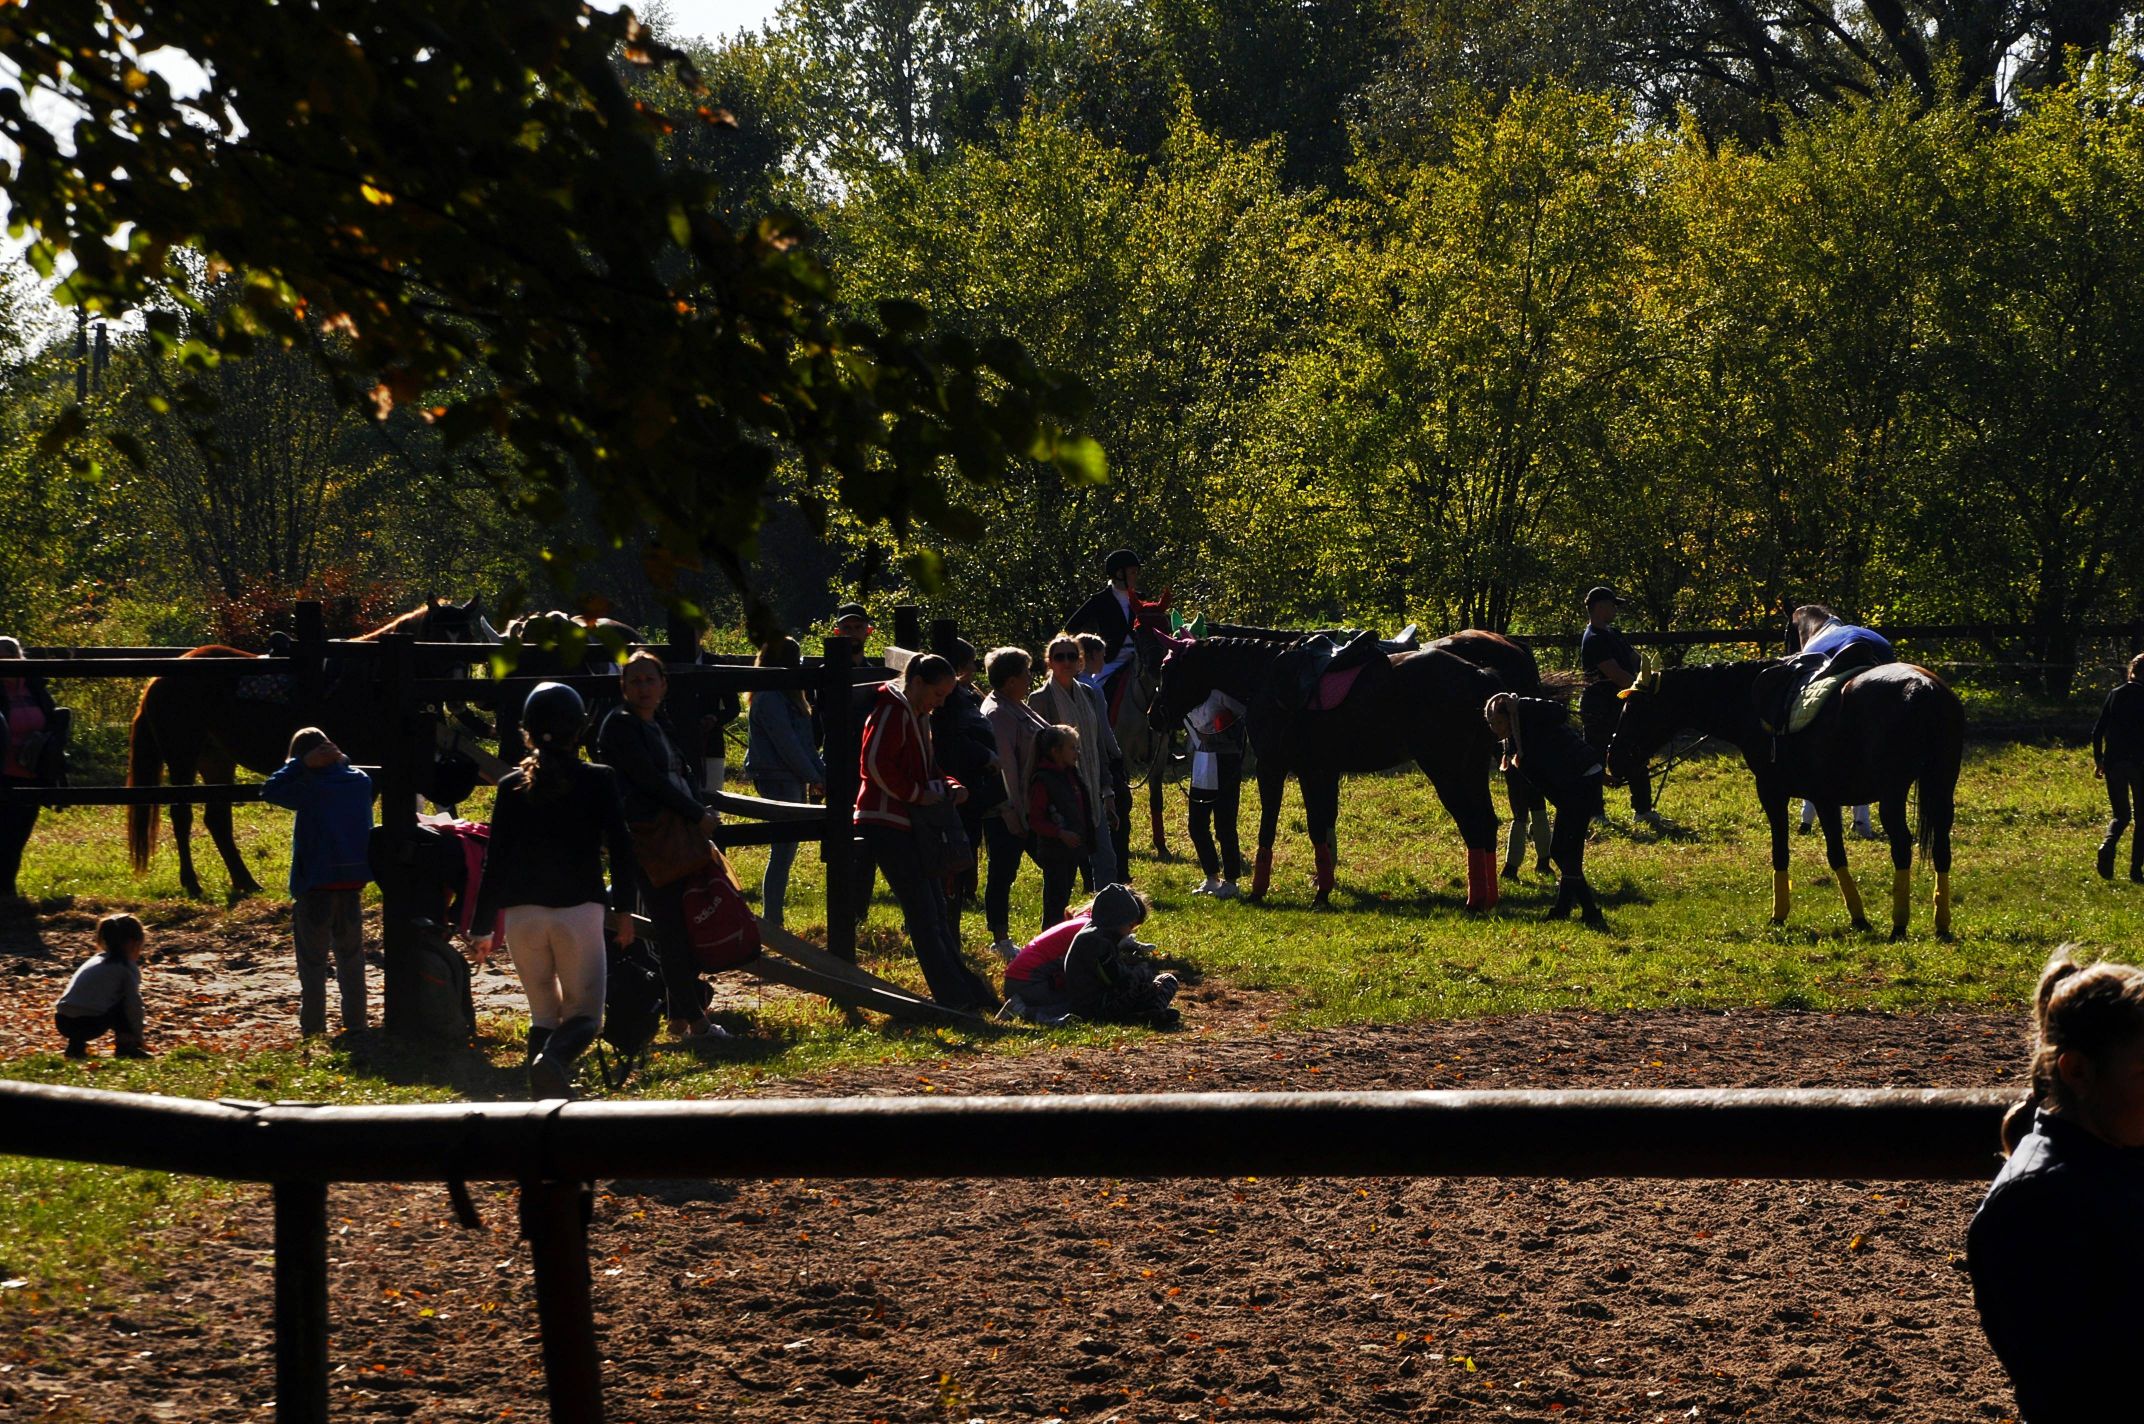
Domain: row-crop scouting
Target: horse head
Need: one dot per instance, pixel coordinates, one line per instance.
(1642, 727)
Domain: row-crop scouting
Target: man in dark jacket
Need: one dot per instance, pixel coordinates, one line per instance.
(1608, 664)
(1540, 745)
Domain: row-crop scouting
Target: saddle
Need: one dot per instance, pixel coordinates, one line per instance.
(1316, 675)
(1792, 694)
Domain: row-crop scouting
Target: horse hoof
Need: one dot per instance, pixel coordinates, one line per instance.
(1862, 926)
(1595, 920)
(1898, 936)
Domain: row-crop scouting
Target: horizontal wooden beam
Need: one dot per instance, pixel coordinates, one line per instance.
(1885, 1134)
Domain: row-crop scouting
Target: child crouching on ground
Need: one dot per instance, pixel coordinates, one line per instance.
(1108, 976)
(1035, 980)
(104, 996)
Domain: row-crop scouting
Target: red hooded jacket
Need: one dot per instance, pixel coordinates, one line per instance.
(897, 763)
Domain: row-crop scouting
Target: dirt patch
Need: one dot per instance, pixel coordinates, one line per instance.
(1083, 1299)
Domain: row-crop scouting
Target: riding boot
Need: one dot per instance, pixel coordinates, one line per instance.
(2136, 860)
(2107, 849)
(538, 1037)
(551, 1071)
(1327, 863)
(1262, 873)
(1482, 885)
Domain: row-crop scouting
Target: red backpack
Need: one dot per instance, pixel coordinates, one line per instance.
(718, 923)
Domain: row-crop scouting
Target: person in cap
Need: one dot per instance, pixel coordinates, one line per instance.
(853, 623)
(555, 819)
(1113, 611)
(1608, 664)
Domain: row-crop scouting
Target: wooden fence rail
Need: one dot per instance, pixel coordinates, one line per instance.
(553, 1149)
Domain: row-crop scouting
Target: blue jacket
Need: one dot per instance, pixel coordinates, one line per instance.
(1834, 636)
(780, 741)
(328, 839)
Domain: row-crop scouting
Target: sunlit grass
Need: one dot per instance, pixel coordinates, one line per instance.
(1688, 926)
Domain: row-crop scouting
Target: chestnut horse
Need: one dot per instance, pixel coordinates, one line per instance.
(1889, 730)
(200, 727)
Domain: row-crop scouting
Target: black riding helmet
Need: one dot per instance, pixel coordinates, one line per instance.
(553, 716)
(1119, 559)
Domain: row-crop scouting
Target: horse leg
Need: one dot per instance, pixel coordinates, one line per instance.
(218, 820)
(1543, 830)
(1321, 808)
(1892, 812)
(1154, 804)
(1937, 810)
(1835, 856)
(1272, 786)
(182, 836)
(1775, 813)
(1468, 802)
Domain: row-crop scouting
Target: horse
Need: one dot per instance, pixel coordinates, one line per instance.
(188, 728)
(602, 644)
(1890, 729)
(1421, 706)
(1511, 662)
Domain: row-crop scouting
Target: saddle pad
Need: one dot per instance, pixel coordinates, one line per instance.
(1334, 687)
(1811, 699)
(277, 687)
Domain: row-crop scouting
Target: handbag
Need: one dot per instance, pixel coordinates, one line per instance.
(718, 924)
(669, 847)
(941, 841)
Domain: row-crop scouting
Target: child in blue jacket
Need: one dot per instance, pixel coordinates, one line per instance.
(328, 873)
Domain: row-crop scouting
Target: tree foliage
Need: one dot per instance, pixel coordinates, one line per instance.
(448, 185)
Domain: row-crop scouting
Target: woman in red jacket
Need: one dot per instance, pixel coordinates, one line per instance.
(897, 769)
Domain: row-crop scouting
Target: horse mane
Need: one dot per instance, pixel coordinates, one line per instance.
(1233, 661)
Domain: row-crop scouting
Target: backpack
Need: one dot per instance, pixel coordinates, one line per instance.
(633, 1005)
(446, 1000)
(717, 920)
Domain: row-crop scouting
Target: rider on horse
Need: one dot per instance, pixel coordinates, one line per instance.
(1831, 651)
(1114, 613)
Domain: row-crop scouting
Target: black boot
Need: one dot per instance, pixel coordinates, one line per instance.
(551, 1071)
(2106, 857)
(2136, 866)
(538, 1037)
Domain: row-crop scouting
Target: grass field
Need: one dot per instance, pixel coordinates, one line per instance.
(1688, 926)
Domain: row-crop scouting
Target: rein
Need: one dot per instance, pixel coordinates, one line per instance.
(1659, 784)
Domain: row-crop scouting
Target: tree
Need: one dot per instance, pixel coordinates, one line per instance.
(448, 184)
(1480, 330)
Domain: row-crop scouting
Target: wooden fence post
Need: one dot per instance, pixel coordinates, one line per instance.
(908, 626)
(308, 647)
(301, 1302)
(398, 828)
(554, 1219)
(837, 844)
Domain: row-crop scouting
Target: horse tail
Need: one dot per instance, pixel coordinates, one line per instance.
(145, 767)
(1936, 789)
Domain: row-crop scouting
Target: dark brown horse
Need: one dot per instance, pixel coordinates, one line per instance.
(206, 728)
(1512, 663)
(1423, 707)
(1890, 730)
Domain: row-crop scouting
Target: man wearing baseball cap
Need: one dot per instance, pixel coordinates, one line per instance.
(853, 623)
(1609, 664)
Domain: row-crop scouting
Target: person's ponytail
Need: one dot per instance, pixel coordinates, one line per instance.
(2088, 1009)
